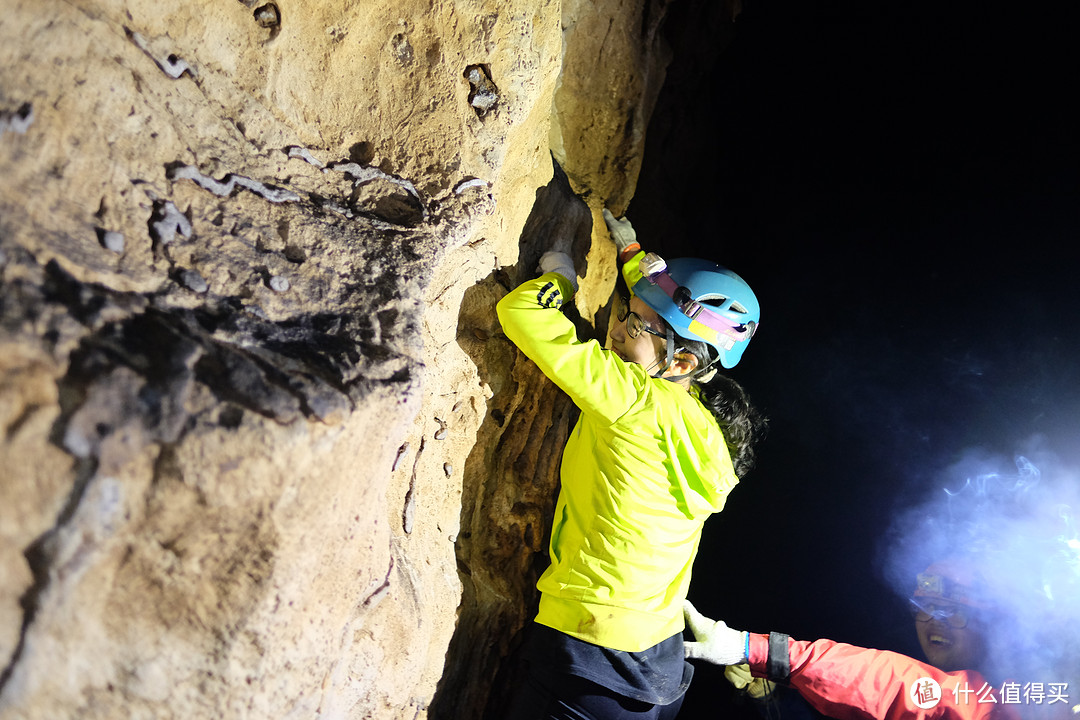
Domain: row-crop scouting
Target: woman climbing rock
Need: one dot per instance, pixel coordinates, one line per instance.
(662, 439)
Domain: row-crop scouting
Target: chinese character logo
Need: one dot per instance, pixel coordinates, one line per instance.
(925, 693)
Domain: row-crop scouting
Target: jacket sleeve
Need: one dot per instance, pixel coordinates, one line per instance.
(631, 270)
(853, 683)
(598, 382)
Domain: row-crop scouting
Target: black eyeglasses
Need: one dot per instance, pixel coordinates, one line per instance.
(955, 615)
(634, 324)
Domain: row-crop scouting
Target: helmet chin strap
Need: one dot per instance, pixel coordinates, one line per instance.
(670, 359)
(670, 343)
(702, 374)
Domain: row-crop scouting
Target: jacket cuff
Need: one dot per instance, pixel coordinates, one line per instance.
(778, 665)
(770, 657)
(567, 287)
(629, 251)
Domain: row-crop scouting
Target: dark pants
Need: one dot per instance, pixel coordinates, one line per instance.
(574, 698)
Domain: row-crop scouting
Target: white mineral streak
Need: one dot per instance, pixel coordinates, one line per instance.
(466, 184)
(228, 185)
(294, 151)
(365, 173)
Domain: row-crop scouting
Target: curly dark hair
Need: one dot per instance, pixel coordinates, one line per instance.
(742, 423)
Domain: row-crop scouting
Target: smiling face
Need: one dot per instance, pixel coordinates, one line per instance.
(951, 648)
(952, 613)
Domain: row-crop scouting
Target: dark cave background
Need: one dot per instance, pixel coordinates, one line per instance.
(899, 184)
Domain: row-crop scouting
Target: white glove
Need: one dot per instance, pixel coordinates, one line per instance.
(559, 262)
(622, 232)
(716, 642)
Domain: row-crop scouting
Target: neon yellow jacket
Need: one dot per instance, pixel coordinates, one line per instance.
(645, 465)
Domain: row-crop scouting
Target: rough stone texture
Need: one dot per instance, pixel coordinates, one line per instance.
(606, 94)
(264, 450)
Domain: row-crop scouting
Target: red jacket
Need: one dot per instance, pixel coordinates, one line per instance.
(853, 683)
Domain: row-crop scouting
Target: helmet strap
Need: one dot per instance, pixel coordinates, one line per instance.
(670, 345)
(669, 360)
(669, 350)
(708, 369)
(698, 375)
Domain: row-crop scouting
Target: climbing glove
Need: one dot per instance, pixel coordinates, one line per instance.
(716, 642)
(622, 232)
(559, 262)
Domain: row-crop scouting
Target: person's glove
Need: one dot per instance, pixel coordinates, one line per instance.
(740, 677)
(716, 642)
(622, 232)
(558, 262)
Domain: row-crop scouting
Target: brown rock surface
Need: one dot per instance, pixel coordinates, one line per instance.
(264, 450)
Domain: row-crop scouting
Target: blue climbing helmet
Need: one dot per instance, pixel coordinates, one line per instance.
(703, 301)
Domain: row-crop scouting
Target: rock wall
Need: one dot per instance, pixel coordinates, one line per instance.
(264, 450)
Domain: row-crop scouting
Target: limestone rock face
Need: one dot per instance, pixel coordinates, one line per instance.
(265, 451)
